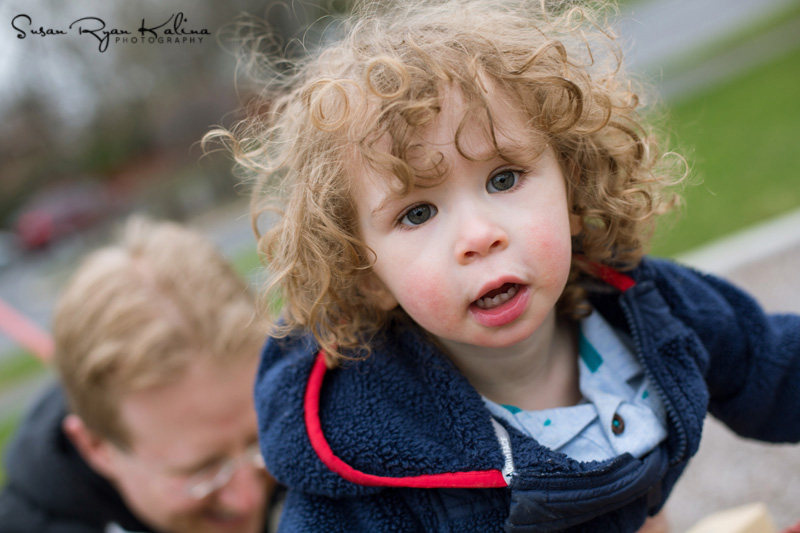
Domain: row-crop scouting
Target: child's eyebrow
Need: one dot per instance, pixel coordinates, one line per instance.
(518, 153)
(380, 209)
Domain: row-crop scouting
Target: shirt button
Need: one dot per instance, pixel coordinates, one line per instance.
(617, 425)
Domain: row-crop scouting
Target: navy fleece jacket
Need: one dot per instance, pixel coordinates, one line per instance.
(400, 441)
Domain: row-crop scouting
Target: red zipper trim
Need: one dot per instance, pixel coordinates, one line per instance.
(613, 277)
(480, 479)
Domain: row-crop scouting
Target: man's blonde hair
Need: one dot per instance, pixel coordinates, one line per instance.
(139, 313)
(385, 79)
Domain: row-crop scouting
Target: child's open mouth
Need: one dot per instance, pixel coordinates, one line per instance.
(497, 296)
(501, 306)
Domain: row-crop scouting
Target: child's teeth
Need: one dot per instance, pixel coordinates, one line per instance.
(489, 303)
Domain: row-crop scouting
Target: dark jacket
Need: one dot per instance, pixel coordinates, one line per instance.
(400, 441)
(50, 488)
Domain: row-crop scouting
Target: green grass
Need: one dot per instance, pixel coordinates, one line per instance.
(17, 367)
(743, 140)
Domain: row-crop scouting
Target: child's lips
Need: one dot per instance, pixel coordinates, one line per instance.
(500, 306)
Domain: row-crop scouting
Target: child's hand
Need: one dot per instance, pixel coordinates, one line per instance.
(656, 524)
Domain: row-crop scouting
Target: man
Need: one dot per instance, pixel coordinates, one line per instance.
(152, 426)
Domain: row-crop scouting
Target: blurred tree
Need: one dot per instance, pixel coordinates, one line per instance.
(69, 111)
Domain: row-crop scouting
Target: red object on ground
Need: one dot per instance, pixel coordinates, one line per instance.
(25, 332)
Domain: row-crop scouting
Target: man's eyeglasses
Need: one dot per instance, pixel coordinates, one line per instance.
(212, 478)
(208, 480)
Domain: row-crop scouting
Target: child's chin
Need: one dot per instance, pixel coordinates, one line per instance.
(504, 339)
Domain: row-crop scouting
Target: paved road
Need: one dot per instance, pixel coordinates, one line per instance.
(661, 30)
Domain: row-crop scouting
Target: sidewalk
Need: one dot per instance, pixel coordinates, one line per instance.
(729, 471)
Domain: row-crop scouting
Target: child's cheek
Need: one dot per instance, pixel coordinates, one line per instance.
(424, 297)
(550, 254)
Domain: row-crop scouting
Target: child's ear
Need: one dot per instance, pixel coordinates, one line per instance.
(377, 293)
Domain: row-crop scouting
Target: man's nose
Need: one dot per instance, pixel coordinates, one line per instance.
(246, 490)
(478, 235)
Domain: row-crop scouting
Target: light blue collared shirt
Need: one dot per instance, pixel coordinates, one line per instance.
(619, 412)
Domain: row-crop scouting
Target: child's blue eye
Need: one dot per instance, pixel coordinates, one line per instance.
(502, 181)
(419, 214)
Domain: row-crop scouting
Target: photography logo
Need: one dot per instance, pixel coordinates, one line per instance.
(174, 30)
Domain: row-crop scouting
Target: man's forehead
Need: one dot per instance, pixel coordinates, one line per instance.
(205, 401)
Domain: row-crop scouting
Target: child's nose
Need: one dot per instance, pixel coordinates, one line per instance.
(479, 236)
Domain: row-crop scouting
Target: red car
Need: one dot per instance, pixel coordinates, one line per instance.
(59, 211)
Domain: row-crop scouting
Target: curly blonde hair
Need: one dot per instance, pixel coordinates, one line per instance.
(385, 78)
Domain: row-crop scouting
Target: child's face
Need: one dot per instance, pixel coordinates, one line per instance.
(482, 257)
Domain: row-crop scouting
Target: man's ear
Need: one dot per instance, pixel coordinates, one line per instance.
(377, 292)
(94, 449)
